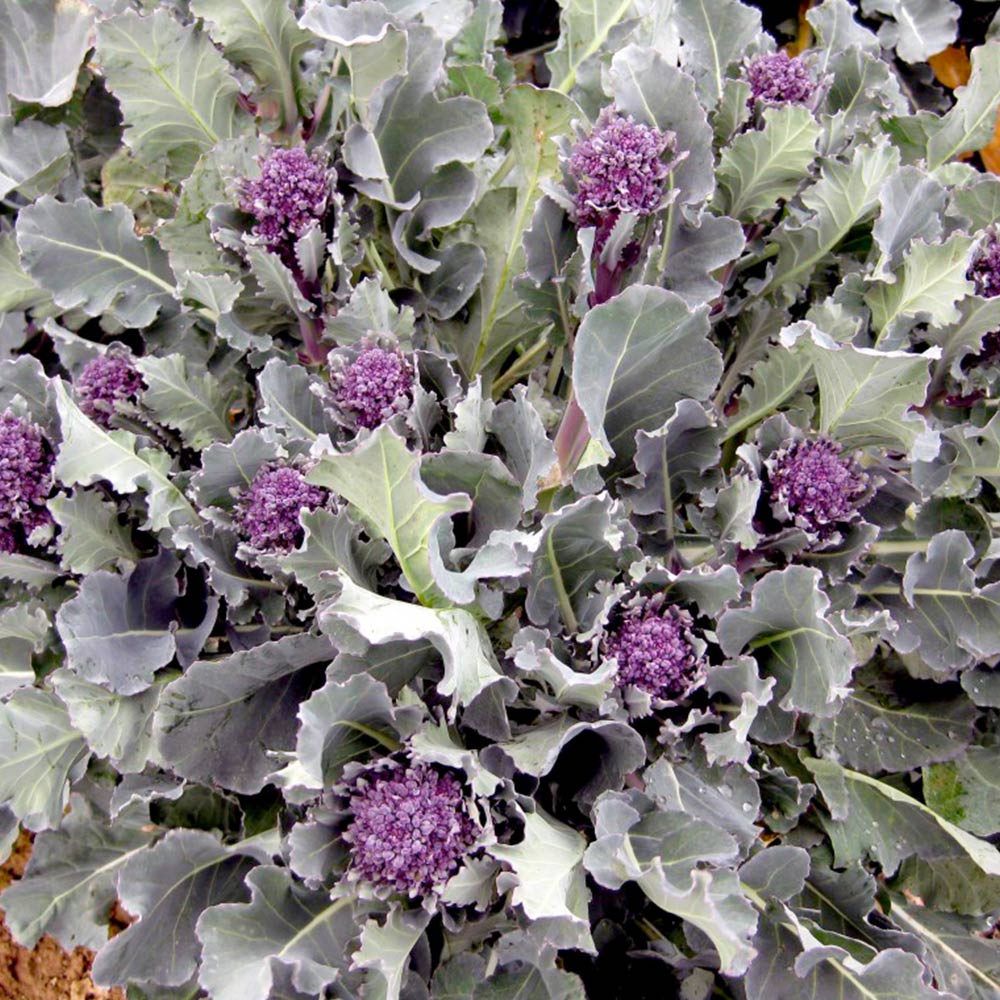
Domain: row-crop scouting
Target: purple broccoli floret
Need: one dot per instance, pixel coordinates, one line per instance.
(411, 827)
(267, 511)
(288, 197)
(816, 484)
(618, 168)
(25, 476)
(985, 269)
(779, 79)
(654, 646)
(105, 381)
(373, 387)
(8, 543)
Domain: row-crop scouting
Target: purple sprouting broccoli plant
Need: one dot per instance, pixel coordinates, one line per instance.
(106, 381)
(411, 827)
(25, 479)
(816, 485)
(619, 167)
(656, 650)
(291, 194)
(778, 78)
(267, 511)
(374, 386)
(985, 269)
(8, 541)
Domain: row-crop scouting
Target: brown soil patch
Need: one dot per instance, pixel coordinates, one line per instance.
(46, 972)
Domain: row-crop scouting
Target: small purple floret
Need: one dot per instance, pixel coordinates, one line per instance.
(25, 476)
(654, 647)
(618, 168)
(267, 511)
(375, 386)
(779, 79)
(411, 828)
(816, 484)
(288, 197)
(985, 269)
(105, 381)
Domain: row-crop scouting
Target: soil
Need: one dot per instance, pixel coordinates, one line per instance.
(46, 972)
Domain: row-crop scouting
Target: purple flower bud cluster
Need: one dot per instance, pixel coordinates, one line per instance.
(618, 168)
(25, 478)
(985, 269)
(654, 647)
(375, 385)
(289, 196)
(267, 511)
(817, 485)
(411, 827)
(779, 79)
(105, 381)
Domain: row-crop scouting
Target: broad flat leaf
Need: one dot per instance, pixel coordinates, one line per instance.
(919, 29)
(262, 35)
(284, 924)
(870, 818)
(792, 962)
(931, 284)
(844, 195)
(965, 790)
(68, 888)
(970, 124)
(119, 630)
(584, 27)
(91, 536)
(332, 541)
(33, 157)
(767, 164)
(774, 382)
(568, 686)
(41, 48)
(912, 202)
(716, 33)
(941, 612)
(17, 290)
(456, 129)
(119, 727)
(218, 723)
(696, 252)
(23, 631)
(872, 734)
(385, 949)
(580, 545)
(287, 402)
(167, 887)
(776, 872)
(866, 396)
(835, 25)
(89, 258)
(470, 666)
(39, 750)
(786, 629)
(370, 40)
(343, 720)
(193, 403)
(740, 682)
(653, 90)
(89, 453)
(176, 91)
(643, 330)
(381, 478)
(666, 869)
(277, 283)
(962, 961)
(977, 317)
(549, 881)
